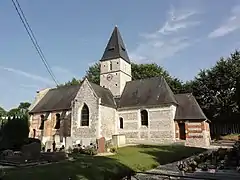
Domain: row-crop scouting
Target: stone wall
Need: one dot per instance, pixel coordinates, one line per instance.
(85, 134)
(49, 132)
(161, 127)
(107, 122)
(198, 134)
(120, 72)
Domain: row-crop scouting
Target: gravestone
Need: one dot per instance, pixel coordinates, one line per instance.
(48, 145)
(31, 151)
(101, 145)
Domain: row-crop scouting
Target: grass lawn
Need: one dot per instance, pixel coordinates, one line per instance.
(128, 159)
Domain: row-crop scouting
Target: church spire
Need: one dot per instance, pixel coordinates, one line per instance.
(115, 47)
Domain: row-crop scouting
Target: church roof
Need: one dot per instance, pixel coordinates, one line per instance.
(147, 92)
(57, 99)
(188, 108)
(106, 96)
(115, 47)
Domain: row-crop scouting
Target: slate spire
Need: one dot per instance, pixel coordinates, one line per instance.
(115, 47)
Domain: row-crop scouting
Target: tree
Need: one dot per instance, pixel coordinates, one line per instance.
(139, 71)
(14, 132)
(21, 110)
(93, 73)
(216, 89)
(2, 112)
(15, 128)
(74, 81)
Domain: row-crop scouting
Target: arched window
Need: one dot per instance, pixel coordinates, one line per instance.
(57, 126)
(144, 118)
(42, 122)
(121, 123)
(110, 65)
(85, 116)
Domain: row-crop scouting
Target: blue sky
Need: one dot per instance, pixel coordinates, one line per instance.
(183, 36)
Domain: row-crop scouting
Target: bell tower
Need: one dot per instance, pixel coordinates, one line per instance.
(115, 68)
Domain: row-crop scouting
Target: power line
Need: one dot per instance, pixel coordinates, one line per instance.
(33, 38)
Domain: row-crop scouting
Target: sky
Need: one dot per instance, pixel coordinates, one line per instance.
(183, 36)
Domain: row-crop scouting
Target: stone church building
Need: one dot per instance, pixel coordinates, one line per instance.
(144, 111)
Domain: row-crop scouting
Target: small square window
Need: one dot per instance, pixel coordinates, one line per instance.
(116, 84)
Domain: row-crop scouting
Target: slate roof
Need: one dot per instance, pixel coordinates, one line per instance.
(106, 96)
(188, 108)
(57, 99)
(147, 92)
(115, 47)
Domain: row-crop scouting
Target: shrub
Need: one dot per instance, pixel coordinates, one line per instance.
(113, 150)
(90, 151)
(75, 150)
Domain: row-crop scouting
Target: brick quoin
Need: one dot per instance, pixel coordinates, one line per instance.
(194, 126)
(194, 131)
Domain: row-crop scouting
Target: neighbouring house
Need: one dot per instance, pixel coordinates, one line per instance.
(144, 111)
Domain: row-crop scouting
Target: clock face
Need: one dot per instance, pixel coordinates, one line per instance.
(109, 77)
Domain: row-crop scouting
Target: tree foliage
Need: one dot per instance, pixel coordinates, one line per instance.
(217, 89)
(14, 126)
(2, 112)
(74, 81)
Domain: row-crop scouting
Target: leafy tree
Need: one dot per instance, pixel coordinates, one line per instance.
(15, 129)
(216, 89)
(2, 112)
(93, 73)
(24, 105)
(14, 132)
(74, 81)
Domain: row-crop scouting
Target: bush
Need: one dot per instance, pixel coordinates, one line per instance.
(75, 150)
(90, 151)
(113, 150)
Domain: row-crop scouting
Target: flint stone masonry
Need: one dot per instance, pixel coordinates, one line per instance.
(108, 123)
(85, 134)
(161, 127)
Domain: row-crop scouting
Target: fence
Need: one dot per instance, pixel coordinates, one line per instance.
(225, 128)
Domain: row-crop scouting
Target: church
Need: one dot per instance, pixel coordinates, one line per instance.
(143, 111)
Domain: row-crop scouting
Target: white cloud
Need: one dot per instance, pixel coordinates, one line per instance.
(28, 75)
(229, 25)
(63, 71)
(167, 40)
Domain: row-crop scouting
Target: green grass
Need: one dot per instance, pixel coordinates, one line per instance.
(145, 157)
(137, 158)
